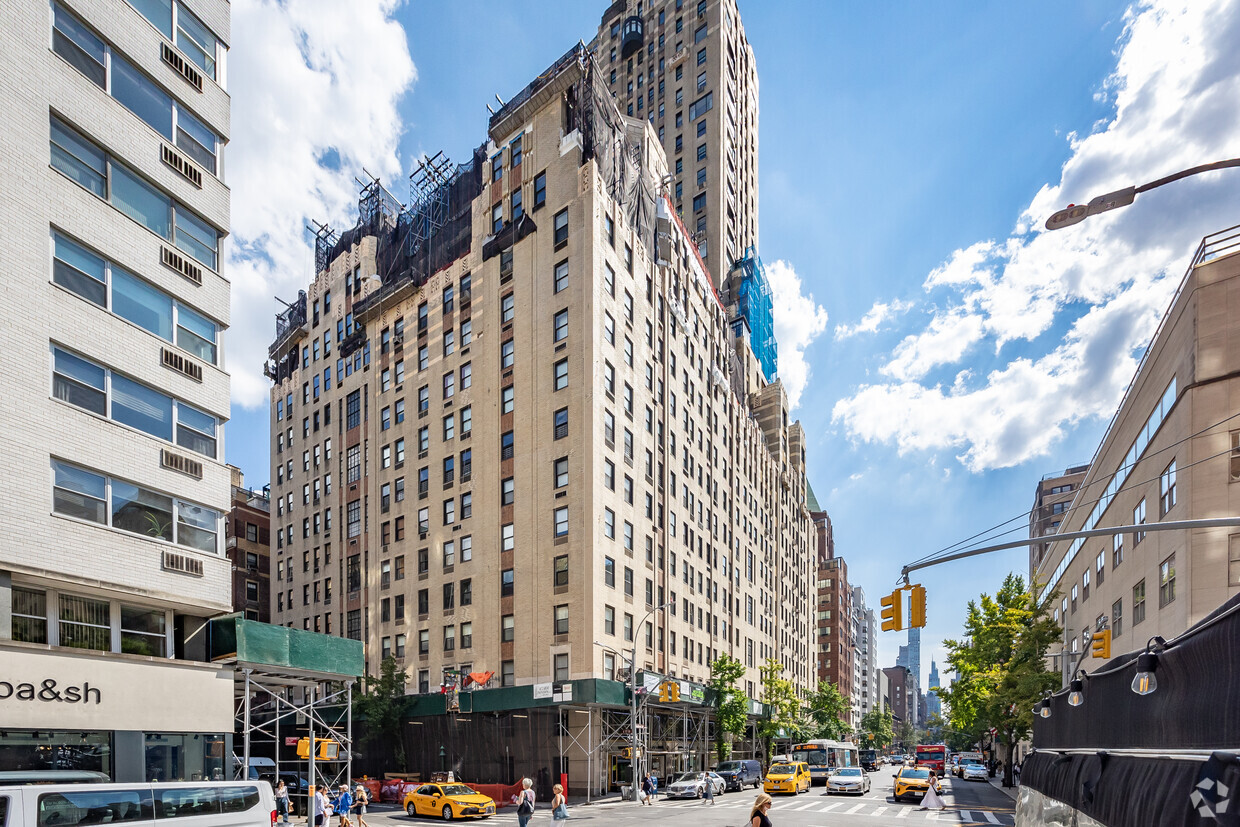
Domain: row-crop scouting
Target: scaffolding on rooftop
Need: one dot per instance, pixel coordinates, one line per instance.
(754, 300)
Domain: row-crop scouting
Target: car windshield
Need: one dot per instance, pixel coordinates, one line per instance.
(917, 773)
(782, 769)
(727, 766)
(685, 778)
(848, 771)
(457, 789)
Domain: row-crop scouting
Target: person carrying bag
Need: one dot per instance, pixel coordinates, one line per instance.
(525, 802)
(559, 804)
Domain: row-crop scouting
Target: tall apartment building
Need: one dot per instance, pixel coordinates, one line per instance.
(249, 547)
(1051, 501)
(1171, 452)
(902, 695)
(634, 484)
(866, 689)
(835, 610)
(115, 490)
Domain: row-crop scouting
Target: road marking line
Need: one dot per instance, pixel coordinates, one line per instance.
(965, 815)
(828, 808)
(854, 809)
(805, 806)
(878, 812)
(991, 817)
(901, 813)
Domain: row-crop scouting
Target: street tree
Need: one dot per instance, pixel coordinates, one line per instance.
(906, 735)
(875, 729)
(1000, 665)
(827, 710)
(783, 709)
(381, 704)
(731, 704)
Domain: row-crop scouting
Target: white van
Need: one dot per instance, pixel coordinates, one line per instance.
(191, 804)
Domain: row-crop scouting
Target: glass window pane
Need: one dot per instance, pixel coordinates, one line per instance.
(141, 511)
(142, 632)
(141, 96)
(196, 333)
(85, 623)
(78, 270)
(29, 615)
(195, 41)
(141, 407)
(79, 382)
(141, 202)
(196, 526)
(78, 158)
(196, 237)
(159, 12)
(76, 44)
(195, 139)
(79, 493)
(195, 430)
(142, 304)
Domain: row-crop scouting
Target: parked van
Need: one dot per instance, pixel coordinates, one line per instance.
(263, 768)
(738, 774)
(209, 804)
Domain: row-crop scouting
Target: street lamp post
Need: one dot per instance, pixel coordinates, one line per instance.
(1076, 213)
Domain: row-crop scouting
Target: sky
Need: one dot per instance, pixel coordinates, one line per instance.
(942, 350)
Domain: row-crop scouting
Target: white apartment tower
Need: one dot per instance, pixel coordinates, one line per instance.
(114, 491)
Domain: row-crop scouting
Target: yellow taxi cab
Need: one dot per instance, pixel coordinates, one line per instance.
(912, 782)
(448, 801)
(787, 777)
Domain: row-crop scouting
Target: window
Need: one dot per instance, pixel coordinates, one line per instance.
(1166, 488)
(560, 473)
(540, 190)
(561, 276)
(1085, 585)
(628, 627)
(560, 429)
(87, 496)
(560, 571)
(1233, 560)
(353, 410)
(1117, 618)
(81, 271)
(467, 421)
(609, 620)
(497, 218)
(507, 308)
(497, 166)
(699, 202)
(507, 673)
(609, 279)
(561, 375)
(1117, 550)
(561, 521)
(609, 474)
(505, 445)
(449, 427)
(515, 203)
(94, 169)
(560, 223)
(1075, 593)
(449, 385)
(507, 491)
(560, 614)
(449, 638)
(506, 354)
(609, 523)
(84, 384)
(1100, 567)
(467, 550)
(609, 572)
(514, 152)
(467, 592)
(1138, 603)
(506, 399)
(1138, 518)
(561, 666)
(506, 583)
(1166, 581)
(560, 329)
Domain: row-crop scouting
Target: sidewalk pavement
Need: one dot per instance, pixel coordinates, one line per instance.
(997, 783)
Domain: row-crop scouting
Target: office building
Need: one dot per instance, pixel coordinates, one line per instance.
(1170, 453)
(515, 439)
(902, 695)
(866, 689)
(248, 537)
(1051, 500)
(933, 705)
(114, 492)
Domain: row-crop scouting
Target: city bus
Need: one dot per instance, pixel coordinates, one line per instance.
(824, 756)
(933, 756)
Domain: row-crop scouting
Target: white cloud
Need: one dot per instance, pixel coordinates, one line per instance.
(798, 322)
(1106, 281)
(872, 320)
(314, 94)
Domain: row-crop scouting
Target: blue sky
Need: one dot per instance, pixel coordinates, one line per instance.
(944, 351)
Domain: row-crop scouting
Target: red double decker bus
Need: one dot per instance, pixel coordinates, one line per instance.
(933, 756)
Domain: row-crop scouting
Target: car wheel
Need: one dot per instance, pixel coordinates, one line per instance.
(447, 812)
(409, 808)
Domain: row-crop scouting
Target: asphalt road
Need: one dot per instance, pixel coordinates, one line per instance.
(968, 803)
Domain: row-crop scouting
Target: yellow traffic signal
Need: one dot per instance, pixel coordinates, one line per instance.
(917, 608)
(893, 611)
(1101, 645)
(673, 691)
(627, 752)
(664, 694)
(327, 749)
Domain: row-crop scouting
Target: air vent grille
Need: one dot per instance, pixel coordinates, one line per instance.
(181, 65)
(177, 462)
(184, 166)
(175, 261)
(181, 364)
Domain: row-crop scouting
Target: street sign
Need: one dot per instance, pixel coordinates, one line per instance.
(291, 740)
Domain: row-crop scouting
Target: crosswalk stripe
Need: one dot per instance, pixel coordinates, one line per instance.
(805, 806)
(829, 807)
(991, 817)
(901, 813)
(878, 812)
(854, 809)
(966, 815)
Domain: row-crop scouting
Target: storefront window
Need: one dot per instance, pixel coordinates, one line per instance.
(142, 632)
(29, 615)
(59, 750)
(179, 757)
(85, 623)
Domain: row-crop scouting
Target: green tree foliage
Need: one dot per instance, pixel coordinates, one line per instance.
(906, 736)
(731, 704)
(827, 709)
(935, 731)
(875, 729)
(783, 708)
(381, 705)
(1000, 664)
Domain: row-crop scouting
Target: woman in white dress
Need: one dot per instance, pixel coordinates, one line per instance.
(932, 800)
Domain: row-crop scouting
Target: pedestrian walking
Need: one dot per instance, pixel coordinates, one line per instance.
(709, 794)
(647, 792)
(282, 801)
(525, 802)
(761, 806)
(932, 800)
(559, 804)
(320, 808)
(361, 797)
(344, 803)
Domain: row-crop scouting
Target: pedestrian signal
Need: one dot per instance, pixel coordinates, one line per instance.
(917, 608)
(1101, 645)
(893, 611)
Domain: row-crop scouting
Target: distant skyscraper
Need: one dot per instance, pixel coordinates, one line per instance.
(933, 705)
(914, 655)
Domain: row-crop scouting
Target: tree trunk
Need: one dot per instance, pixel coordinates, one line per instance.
(1007, 760)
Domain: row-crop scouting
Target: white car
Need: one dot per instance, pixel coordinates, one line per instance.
(974, 772)
(686, 785)
(848, 780)
(720, 783)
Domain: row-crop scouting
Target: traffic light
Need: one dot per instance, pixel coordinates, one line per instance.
(673, 691)
(327, 749)
(627, 752)
(1101, 645)
(893, 611)
(917, 608)
(664, 693)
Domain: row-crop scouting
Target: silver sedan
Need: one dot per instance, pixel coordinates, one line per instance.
(848, 780)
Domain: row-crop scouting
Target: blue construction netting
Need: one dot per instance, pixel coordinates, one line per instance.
(754, 298)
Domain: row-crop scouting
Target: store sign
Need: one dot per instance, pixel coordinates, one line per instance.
(542, 691)
(91, 690)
